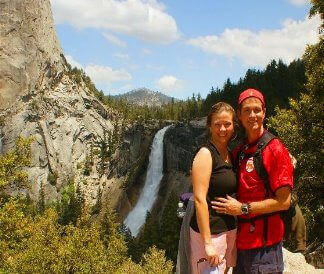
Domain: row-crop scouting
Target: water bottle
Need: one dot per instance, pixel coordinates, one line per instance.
(181, 211)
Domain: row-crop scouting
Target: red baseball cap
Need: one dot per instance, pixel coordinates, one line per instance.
(250, 92)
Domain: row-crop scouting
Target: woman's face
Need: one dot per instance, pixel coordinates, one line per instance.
(222, 127)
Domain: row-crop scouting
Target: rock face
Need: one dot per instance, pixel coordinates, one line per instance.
(39, 97)
(29, 50)
(180, 143)
(296, 263)
(129, 166)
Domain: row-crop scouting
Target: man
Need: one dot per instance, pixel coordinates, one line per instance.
(260, 227)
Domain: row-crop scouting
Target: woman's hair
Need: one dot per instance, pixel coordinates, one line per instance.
(218, 108)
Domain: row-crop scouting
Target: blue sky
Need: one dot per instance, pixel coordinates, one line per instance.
(179, 47)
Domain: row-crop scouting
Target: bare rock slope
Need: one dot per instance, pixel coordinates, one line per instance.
(39, 97)
(29, 49)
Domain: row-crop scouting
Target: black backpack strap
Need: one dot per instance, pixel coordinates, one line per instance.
(257, 156)
(260, 169)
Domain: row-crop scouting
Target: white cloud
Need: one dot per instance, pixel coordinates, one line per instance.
(102, 75)
(169, 83)
(72, 62)
(115, 40)
(299, 2)
(287, 43)
(144, 19)
(105, 75)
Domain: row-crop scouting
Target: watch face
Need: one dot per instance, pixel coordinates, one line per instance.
(245, 209)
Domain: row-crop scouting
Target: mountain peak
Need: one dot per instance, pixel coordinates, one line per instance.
(145, 97)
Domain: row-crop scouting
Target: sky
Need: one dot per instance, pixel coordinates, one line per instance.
(179, 47)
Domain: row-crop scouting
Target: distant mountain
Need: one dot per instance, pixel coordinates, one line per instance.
(144, 96)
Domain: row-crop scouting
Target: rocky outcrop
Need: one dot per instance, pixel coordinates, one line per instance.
(39, 97)
(30, 55)
(129, 166)
(296, 263)
(180, 143)
(63, 129)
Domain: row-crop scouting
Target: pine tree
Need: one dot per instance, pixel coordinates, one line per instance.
(97, 206)
(12, 162)
(170, 228)
(301, 129)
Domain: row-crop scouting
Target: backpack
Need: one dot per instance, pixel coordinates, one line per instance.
(286, 215)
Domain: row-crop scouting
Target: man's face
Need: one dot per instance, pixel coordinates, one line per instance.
(251, 114)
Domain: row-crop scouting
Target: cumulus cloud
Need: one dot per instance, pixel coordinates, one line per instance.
(169, 83)
(299, 2)
(115, 40)
(144, 19)
(102, 75)
(258, 48)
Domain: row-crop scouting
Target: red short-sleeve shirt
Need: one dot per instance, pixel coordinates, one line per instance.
(279, 168)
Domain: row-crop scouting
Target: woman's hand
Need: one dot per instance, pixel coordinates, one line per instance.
(212, 256)
(227, 205)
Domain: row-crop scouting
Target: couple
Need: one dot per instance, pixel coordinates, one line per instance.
(252, 244)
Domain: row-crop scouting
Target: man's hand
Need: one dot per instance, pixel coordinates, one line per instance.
(227, 205)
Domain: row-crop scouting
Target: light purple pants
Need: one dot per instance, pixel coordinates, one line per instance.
(225, 244)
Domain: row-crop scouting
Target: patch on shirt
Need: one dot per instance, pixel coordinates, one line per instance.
(249, 165)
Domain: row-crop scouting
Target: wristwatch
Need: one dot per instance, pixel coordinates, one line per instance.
(245, 208)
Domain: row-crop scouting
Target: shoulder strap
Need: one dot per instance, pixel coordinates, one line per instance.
(260, 169)
(257, 156)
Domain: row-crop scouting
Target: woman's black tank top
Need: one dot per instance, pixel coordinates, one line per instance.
(222, 181)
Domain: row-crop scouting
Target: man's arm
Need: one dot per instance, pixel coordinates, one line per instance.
(281, 201)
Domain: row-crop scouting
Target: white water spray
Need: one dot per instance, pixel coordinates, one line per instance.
(136, 217)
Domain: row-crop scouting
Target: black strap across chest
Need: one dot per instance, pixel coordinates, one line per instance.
(261, 171)
(257, 159)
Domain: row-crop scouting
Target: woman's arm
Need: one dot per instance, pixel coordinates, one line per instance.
(201, 172)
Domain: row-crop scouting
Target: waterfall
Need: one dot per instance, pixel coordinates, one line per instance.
(136, 217)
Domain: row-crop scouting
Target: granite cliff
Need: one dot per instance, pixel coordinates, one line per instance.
(39, 97)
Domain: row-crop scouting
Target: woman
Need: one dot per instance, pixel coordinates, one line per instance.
(212, 235)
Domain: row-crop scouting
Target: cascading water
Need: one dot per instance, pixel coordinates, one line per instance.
(137, 216)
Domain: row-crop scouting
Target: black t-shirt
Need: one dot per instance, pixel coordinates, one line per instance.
(222, 181)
